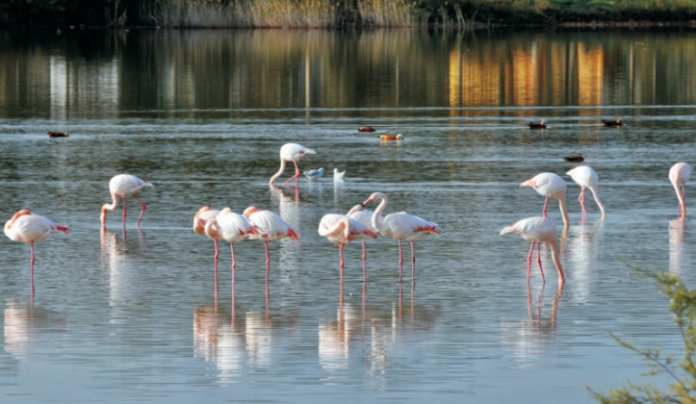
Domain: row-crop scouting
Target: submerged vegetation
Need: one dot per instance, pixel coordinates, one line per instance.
(681, 371)
(336, 13)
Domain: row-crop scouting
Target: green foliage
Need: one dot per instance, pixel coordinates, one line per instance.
(681, 371)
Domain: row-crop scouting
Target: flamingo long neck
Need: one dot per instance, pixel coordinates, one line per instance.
(279, 173)
(377, 221)
(599, 203)
(211, 230)
(564, 212)
(557, 262)
(679, 196)
(112, 205)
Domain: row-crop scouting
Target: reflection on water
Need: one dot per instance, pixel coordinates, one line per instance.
(531, 337)
(583, 256)
(677, 255)
(217, 339)
(25, 323)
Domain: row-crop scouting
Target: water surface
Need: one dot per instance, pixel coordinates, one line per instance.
(132, 315)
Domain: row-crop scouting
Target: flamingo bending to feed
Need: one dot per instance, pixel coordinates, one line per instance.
(538, 230)
(28, 227)
(586, 177)
(678, 175)
(550, 185)
(231, 227)
(271, 227)
(401, 225)
(200, 219)
(342, 230)
(364, 216)
(124, 185)
(291, 152)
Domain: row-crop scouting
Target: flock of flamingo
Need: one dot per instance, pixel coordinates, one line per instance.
(357, 224)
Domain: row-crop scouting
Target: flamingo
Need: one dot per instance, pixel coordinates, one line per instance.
(291, 152)
(364, 216)
(200, 219)
(538, 230)
(342, 230)
(271, 227)
(678, 175)
(231, 227)
(28, 227)
(399, 226)
(550, 185)
(586, 177)
(124, 185)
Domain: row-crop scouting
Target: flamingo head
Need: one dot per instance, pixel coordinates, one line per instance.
(374, 197)
(529, 183)
(512, 229)
(250, 211)
(225, 211)
(147, 184)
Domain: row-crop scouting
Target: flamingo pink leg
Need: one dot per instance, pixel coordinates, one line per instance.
(529, 261)
(32, 269)
(364, 263)
(297, 173)
(268, 264)
(401, 263)
(124, 212)
(581, 198)
(234, 267)
(217, 252)
(539, 261)
(141, 212)
(546, 204)
(413, 265)
(340, 252)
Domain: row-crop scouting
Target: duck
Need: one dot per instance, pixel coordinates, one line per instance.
(314, 174)
(57, 134)
(535, 125)
(574, 158)
(611, 123)
(366, 129)
(339, 176)
(390, 137)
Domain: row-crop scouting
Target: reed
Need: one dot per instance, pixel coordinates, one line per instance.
(388, 13)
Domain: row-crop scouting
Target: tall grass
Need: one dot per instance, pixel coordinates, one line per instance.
(388, 13)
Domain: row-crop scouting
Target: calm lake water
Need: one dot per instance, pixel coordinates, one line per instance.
(132, 316)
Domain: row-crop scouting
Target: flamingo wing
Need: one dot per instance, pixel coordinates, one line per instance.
(405, 225)
(234, 227)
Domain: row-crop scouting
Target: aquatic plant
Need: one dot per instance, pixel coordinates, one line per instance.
(681, 372)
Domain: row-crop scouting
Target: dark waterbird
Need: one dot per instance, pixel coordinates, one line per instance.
(611, 123)
(574, 158)
(57, 134)
(537, 125)
(366, 129)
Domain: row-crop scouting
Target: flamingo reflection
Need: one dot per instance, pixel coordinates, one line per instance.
(218, 339)
(25, 323)
(529, 338)
(677, 254)
(583, 256)
(122, 266)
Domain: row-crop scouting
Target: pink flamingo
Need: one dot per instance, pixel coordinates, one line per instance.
(203, 216)
(342, 230)
(271, 227)
(550, 185)
(586, 177)
(678, 175)
(124, 185)
(28, 227)
(364, 216)
(538, 230)
(291, 152)
(231, 227)
(399, 226)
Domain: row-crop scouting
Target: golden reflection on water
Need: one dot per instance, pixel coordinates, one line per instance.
(186, 70)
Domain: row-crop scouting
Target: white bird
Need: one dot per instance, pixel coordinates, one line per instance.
(364, 216)
(271, 227)
(291, 152)
(200, 219)
(550, 185)
(678, 175)
(342, 230)
(314, 174)
(231, 227)
(399, 226)
(586, 177)
(339, 176)
(538, 230)
(28, 227)
(124, 185)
